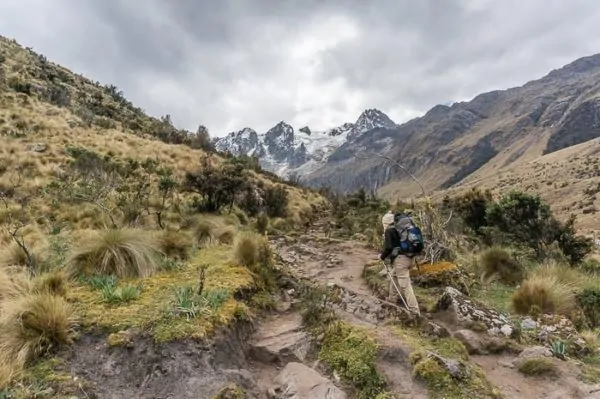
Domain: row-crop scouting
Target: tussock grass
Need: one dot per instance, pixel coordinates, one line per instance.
(32, 325)
(14, 282)
(176, 244)
(226, 234)
(13, 255)
(498, 264)
(544, 294)
(592, 340)
(53, 282)
(210, 230)
(562, 272)
(251, 249)
(120, 252)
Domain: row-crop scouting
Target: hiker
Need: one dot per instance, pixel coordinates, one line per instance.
(399, 262)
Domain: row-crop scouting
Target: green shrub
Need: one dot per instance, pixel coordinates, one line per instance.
(589, 301)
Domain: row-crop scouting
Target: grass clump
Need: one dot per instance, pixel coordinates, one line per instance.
(352, 353)
(53, 282)
(498, 264)
(442, 385)
(538, 366)
(544, 294)
(33, 325)
(208, 230)
(119, 252)
(251, 250)
(175, 244)
(13, 283)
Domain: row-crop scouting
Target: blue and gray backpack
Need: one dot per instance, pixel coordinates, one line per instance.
(411, 237)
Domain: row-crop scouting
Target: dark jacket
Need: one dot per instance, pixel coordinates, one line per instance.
(391, 240)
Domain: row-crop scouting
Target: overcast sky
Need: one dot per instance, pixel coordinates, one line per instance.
(229, 64)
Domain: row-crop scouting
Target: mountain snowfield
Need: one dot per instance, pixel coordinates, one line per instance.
(285, 151)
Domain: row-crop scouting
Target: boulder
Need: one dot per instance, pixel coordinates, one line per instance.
(471, 340)
(464, 312)
(297, 381)
(530, 353)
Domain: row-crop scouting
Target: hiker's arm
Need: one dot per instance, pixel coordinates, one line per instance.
(387, 245)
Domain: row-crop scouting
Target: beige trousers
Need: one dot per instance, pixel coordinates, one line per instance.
(401, 274)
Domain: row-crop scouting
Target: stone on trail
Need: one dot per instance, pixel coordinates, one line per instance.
(276, 342)
(297, 381)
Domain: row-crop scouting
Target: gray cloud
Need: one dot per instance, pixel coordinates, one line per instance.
(230, 64)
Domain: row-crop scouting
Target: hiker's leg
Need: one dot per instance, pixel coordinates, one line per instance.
(392, 293)
(403, 264)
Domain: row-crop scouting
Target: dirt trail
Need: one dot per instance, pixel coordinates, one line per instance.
(341, 262)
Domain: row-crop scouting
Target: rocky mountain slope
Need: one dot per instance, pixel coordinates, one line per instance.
(283, 150)
(494, 131)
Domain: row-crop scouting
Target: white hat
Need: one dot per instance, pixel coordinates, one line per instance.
(387, 219)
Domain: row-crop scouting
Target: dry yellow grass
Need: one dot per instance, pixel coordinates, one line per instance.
(32, 324)
(120, 252)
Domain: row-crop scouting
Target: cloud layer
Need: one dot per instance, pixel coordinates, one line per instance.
(231, 63)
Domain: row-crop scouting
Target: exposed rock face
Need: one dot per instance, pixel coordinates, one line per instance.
(297, 381)
(465, 312)
(281, 342)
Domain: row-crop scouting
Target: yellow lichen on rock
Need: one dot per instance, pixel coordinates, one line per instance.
(437, 267)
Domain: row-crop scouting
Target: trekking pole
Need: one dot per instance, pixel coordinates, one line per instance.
(390, 276)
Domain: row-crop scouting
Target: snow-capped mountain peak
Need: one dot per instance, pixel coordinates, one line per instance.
(369, 120)
(283, 150)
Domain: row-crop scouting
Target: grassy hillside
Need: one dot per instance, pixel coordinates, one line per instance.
(568, 180)
(116, 221)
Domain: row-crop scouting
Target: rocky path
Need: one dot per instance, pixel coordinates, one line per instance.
(280, 341)
(341, 264)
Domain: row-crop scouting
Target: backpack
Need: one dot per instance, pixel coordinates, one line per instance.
(411, 237)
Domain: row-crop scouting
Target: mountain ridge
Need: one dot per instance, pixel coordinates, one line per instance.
(284, 150)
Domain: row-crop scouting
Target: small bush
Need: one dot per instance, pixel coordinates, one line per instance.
(276, 201)
(538, 366)
(544, 294)
(34, 324)
(175, 244)
(262, 223)
(119, 252)
(589, 301)
(497, 263)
